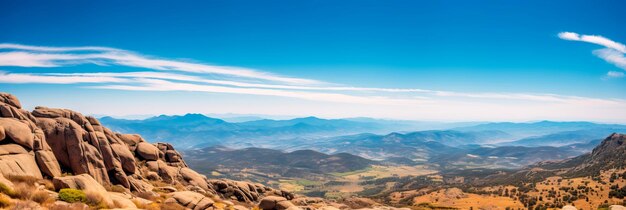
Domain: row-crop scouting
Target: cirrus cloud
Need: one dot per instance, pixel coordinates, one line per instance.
(612, 53)
(125, 70)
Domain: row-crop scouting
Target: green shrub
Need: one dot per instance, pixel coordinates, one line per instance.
(72, 195)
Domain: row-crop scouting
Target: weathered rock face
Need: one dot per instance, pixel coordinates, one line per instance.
(18, 129)
(47, 142)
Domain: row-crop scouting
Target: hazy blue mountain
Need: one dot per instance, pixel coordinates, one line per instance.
(565, 137)
(484, 145)
(417, 146)
(314, 121)
(197, 130)
(523, 130)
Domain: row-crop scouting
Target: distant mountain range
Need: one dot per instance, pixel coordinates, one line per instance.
(199, 131)
(196, 130)
(542, 128)
(444, 149)
(491, 145)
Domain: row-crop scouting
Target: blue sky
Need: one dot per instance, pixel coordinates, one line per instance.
(437, 60)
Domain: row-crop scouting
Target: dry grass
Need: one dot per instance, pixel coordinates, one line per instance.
(42, 197)
(73, 206)
(19, 205)
(47, 184)
(30, 180)
(458, 199)
(95, 200)
(140, 205)
(22, 191)
(5, 201)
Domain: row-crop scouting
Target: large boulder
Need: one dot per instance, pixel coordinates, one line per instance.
(194, 178)
(171, 156)
(147, 151)
(191, 200)
(275, 203)
(121, 200)
(132, 140)
(15, 160)
(126, 157)
(17, 131)
(10, 100)
(81, 182)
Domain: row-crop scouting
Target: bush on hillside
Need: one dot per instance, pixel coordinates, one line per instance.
(72, 195)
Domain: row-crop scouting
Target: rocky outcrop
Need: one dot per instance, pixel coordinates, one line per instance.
(49, 142)
(18, 129)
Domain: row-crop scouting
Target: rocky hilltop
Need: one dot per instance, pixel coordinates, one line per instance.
(48, 150)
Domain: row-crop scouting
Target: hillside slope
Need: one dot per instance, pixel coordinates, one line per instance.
(266, 165)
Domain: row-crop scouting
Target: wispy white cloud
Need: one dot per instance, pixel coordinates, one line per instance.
(595, 39)
(20, 78)
(612, 56)
(174, 75)
(180, 77)
(613, 53)
(163, 85)
(36, 56)
(54, 49)
(615, 74)
(159, 81)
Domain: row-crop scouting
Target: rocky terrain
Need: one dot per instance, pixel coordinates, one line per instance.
(59, 159)
(591, 181)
